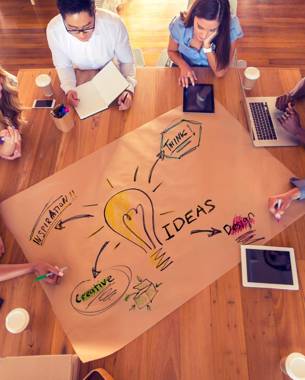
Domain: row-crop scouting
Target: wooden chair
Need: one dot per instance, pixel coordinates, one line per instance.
(100, 374)
(138, 57)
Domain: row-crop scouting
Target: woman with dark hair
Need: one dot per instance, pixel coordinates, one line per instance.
(204, 36)
(84, 38)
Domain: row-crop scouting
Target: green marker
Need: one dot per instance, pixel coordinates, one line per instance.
(43, 276)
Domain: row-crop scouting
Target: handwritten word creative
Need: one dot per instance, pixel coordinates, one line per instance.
(94, 290)
(98, 294)
(189, 217)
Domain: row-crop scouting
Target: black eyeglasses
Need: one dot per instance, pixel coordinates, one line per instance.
(83, 30)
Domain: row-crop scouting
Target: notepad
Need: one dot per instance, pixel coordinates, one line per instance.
(97, 94)
(42, 367)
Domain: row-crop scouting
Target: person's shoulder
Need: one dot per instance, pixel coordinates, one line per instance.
(177, 22)
(176, 27)
(55, 24)
(235, 28)
(234, 22)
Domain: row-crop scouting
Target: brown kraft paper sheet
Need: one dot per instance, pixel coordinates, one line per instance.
(147, 222)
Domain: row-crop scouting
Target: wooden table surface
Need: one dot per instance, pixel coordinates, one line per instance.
(226, 331)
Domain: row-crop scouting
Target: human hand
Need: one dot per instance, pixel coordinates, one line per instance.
(72, 98)
(186, 74)
(125, 101)
(290, 121)
(208, 41)
(2, 249)
(41, 268)
(278, 204)
(282, 102)
(12, 143)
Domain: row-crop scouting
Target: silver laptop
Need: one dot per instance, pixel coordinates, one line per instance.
(265, 129)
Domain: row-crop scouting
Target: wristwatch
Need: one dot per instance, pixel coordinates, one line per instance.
(207, 50)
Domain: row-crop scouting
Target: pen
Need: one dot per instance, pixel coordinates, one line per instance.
(125, 97)
(60, 111)
(43, 276)
(277, 206)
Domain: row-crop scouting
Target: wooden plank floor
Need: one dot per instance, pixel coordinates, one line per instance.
(274, 31)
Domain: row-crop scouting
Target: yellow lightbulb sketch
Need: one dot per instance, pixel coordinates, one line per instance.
(130, 213)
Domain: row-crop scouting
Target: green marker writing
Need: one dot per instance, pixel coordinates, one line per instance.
(43, 276)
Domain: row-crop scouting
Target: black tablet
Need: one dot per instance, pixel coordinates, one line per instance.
(198, 98)
(269, 267)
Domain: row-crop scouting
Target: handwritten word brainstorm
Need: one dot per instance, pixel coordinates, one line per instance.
(98, 294)
(49, 215)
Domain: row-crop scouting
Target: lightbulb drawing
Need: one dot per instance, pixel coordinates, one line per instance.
(130, 214)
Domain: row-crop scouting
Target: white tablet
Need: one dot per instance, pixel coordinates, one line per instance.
(268, 267)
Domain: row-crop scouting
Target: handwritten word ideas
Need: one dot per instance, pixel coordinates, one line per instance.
(177, 224)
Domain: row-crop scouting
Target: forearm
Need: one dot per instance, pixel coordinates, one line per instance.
(129, 72)
(299, 90)
(176, 57)
(213, 65)
(301, 136)
(9, 271)
(67, 78)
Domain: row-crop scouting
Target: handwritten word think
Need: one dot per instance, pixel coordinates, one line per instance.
(240, 224)
(171, 144)
(189, 217)
(94, 290)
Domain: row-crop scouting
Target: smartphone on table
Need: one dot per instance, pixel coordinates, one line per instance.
(43, 103)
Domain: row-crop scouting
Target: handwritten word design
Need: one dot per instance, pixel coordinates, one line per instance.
(240, 224)
(100, 293)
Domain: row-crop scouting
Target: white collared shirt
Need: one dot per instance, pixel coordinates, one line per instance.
(109, 41)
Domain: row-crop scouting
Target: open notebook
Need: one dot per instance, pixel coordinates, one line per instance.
(97, 94)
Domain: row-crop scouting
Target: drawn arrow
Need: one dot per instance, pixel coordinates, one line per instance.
(212, 232)
(96, 272)
(60, 224)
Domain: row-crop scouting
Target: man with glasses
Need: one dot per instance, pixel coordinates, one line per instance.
(85, 39)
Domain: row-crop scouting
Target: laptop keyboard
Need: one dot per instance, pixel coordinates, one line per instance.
(262, 121)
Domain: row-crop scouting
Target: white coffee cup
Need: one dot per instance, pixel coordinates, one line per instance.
(251, 74)
(43, 81)
(17, 320)
(294, 366)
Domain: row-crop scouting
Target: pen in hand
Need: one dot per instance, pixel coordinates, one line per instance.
(125, 97)
(49, 274)
(277, 206)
